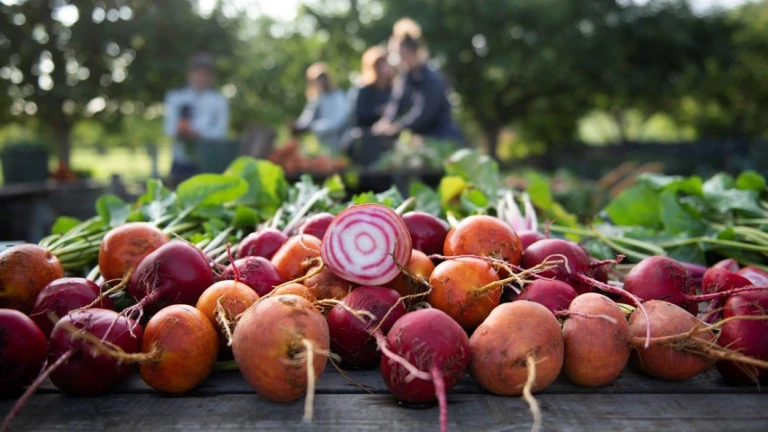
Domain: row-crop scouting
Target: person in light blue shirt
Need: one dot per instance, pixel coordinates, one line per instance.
(326, 112)
(197, 111)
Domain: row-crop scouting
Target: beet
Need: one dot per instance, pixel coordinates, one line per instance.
(552, 294)
(748, 337)
(176, 273)
(86, 372)
(64, 295)
(427, 232)
(22, 351)
(263, 243)
(755, 275)
(528, 238)
(435, 345)
(484, 236)
(350, 336)
(24, 271)
(729, 264)
(552, 250)
(662, 278)
(123, 248)
(256, 272)
(316, 225)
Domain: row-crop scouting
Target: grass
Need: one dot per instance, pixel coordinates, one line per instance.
(130, 164)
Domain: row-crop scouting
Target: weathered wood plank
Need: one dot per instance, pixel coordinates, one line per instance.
(332, 382)
(592, 412)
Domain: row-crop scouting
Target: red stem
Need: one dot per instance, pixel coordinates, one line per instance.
(722, 294)
(442, 400)
(618, 291)
(232, 262)
(32, 388)
(619, 258)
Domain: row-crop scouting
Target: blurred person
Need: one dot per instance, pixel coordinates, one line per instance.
(197, 111)
(419, 98)
(376, 87)
(326, 111)
(369, 99)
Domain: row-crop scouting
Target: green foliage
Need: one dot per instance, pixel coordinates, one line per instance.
(210, 190)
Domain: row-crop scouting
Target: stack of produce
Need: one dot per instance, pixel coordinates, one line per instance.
(364, 283)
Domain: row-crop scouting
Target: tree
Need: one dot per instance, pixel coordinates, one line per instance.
(61, 61)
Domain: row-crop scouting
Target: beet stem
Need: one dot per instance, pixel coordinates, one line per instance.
(317, 196)
(567, 313)
(119, 287)
(618, 291)
(32, 388)
(310, 398)
(413, 372)
(530, 363)
(442, 400)
(723, 294)
(232, 263)
(405, 205)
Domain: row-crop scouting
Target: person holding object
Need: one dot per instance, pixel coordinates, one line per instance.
(326, 111)
(197, 111)
(419, 100)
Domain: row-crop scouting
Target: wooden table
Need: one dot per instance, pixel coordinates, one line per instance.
(225, 402)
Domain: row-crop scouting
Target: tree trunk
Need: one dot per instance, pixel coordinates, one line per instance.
(63, 136)
(492, 134)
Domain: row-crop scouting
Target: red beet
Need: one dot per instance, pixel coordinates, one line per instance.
(62, 296)
(718, 279)
(87, 373)
(262, 243)
(662, 278)
(22, 351)
(748, 337)
(256, 272)
(755, 275)
(316, 225)
(350, 337)
(552, 250)
(436, 346)
(553, 294)
(530, 237)
(729, 264)
(427, 232)
(176, 273)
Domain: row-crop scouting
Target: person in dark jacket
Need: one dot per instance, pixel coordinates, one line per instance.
(374, 94)
(419, 100)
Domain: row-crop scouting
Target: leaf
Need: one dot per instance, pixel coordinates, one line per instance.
(427, 199)
(638, 205)
(474, 201)
(676, 218)
(688, 185)
(210, 189)
(245, 217)
(267, 186)
(390, 198)
(156, 200)
(450, 188)
(539, 191)
(479, 170)
(64, 224)
(751, 180)
(113, 210)
(335, 186)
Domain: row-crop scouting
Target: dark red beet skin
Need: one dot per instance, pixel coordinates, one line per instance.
(316, 225)
(256, 272)
(662, 278)
(755, 275)
(262, 243)
(176, 273)
(552, 294)
(22, 351)
(747, 337)
(85, 373)
(530, 237)
(729, 264)
(350, 337)
(718, 279)
(427, 338)
(62, 296)
(427, 232)
(552, 250)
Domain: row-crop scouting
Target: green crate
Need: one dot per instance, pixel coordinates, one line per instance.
(24, 162)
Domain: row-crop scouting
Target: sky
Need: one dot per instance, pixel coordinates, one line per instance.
(287, 9)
